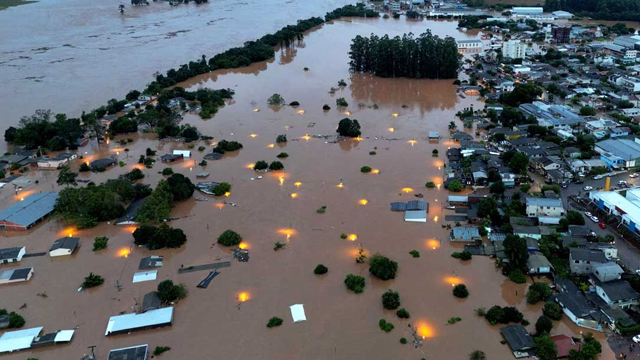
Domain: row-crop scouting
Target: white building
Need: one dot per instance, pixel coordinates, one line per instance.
(537, 206)
(627, 208)
(525, 11)
(14, 254)
(64, 246)
(514, 49)
(469, 46)
(562, 14)
(185, 153)
(16, 275)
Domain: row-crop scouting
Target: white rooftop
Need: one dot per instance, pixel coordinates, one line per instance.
(136, 321)
(297, 312)
(630, 208)
(18, 340)
(145, 276)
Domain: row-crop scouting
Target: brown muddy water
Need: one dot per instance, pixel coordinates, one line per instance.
(341, 325)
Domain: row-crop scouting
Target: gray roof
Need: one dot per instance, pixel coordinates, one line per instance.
(576, 303)
(417, 205)
(579, 230)
(398, 206)
(517, 229)
(567, 241)
(151, 262)
(517, 337)
(465, 232)
(10, 253)
(616, 290)
(623, 148)
(540, 201)
(608, 268)
(537, 260)
(131, 212)
(587, 255)
(102, 163)
(130, 353)
(70, 243)
(151, 301)
(30, 210)
(20, 273)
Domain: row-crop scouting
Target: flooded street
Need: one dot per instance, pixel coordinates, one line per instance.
(214, 322)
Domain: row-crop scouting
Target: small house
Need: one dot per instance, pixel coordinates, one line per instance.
(102, 164)
(581, 261)
(537, 206)
(607, 272)
(169, 158)
(519, 340)
(16, 275)
(616, 292)
(465, 234)
(185, 153)
(14, 254)
(564, 344)
(538, 264)
(151, 301)
(150, 262)
(139, 352)
(122, 324)
(64, 246)
(130, 214)
(527, 231)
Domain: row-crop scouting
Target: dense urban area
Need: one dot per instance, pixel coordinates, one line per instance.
(473, 167)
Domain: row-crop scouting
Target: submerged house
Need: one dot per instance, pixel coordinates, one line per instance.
(14, 254)
(152, 319)
(28, 212)
(16, 275)
(465, 234)
(130, 214)
(64, 246)
(138, 352)
(519, 340)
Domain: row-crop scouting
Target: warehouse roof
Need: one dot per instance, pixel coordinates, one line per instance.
(129, 322)
(30, 210)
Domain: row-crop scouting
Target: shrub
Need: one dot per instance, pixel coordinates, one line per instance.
(403, 340)
(326, 107)
(224, 146)
(221, 189)
(150, 152)
(382, 267)
(348, 127)
(477, 355)
(415, 253)
(365, 169)
(168, 291)
(275, 100)
(480, 311)
(274, 322)
(342, 82)
(167, 171)
(552, 310)
(543, 325)
(402, 313)
(261, 165)
(92, 280)
(100, 243)
(464, 255)
(460, 291)
(320, 269)
(343, 236)
(229, 238)
(538, 292)
(159, 237)
(372, 152)
(281, 139)
(203, 163)
(385, 326)
(322, 209)
(455, 186)
(161, 349)
(294, 103)
(282, 155)
(453, 320)
(201, 148)
(391, 300)
(500, 315)
(84, 167)
(430, 185)
(278, 245)
(341, 102)
(525, 187)
(517, 276)
(434, 153)
(354, 283)
(276, 165)
(15, 320)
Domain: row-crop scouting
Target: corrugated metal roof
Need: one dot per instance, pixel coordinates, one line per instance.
(398, 206)
(30, 210)
(417, 205)
(129, 322)
(18, 340)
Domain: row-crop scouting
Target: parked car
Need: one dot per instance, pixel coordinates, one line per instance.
(598, 177)
(452, 207)
(588, 214)
(634, 175)
(622, 182)
(602, 225)
(636, 339)
(595, 219)
(587, 188)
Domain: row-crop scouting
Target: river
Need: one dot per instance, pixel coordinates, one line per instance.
(341, 325)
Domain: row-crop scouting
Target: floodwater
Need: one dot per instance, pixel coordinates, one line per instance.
(341, 324)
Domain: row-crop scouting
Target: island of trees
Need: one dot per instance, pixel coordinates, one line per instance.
(425, 57)
(598, 9)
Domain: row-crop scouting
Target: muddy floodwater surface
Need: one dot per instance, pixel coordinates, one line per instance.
(216, 322)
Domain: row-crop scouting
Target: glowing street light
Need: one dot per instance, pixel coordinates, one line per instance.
(294, 195)
(243, 296)
(412, 142)
(306, 137)
(281, 178)
(394, 114)
(391, 129)
(340, 186)
(363, 202)
(353, 237)
(407, 190)
(271, 146)
(253, 135)
(297, 184)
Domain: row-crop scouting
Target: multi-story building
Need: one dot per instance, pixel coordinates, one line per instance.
(514, 49)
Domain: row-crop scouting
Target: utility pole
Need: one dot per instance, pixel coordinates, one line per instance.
(93, 354)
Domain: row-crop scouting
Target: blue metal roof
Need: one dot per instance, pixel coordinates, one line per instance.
(30, 210)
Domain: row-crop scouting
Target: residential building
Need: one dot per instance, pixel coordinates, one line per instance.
(616, 292)
(465, 234)
(28, 212)
(10, 255)
(537, 206)
(562, 15)
(527, 231)
(128, 217)
(122, 324)
(537, 263)
(514, 49)
(576, 306)
(102, 164)
(607, 272)
(64, 246)
(16, 275)
(138, 352)
(561, 34)
(564, 344)
(519, 340)
(469, 46)
(581, 261)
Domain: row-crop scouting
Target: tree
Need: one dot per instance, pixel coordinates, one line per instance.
(546, 348)
(391, 300)
(281, 139)
(354, 283)
(488, 207)
(587, 111)
(276, 165)
(537, 292)
(552, 310)
(477, 355)
(221, 189)
(455, 186)
(168, 291)
(67, 177)
(261, 165)
(275, 100)
(382, 267)
(100, 243)
(460, 291)
(349, 128)
(158, 205)
(517, 276)
(544, 325)
(522, 93)
(229, 238)
(274, 322)
(515, 249)
(92, 280)
(575, 218)
(123, 125)
(224, 146)
(402, 313)
(181, 187)
(497, 188)
(519, 163)
(320, 269)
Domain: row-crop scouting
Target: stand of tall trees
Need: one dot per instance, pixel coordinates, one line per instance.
(425, 57)
(598, 9)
